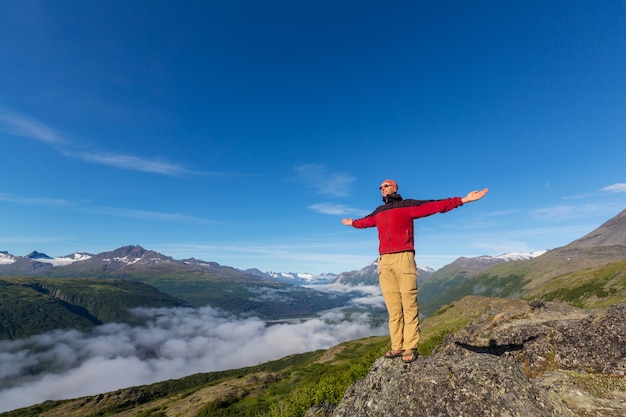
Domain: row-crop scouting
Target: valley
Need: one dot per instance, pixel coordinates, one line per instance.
(140, 317)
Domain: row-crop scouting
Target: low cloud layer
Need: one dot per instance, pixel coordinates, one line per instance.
(173, 343)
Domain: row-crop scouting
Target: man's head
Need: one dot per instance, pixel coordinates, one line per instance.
(388, 187)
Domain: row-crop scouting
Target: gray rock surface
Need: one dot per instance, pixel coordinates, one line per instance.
(478, 385)
(532, 359)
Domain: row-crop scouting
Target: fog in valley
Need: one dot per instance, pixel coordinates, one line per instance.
(173, 343)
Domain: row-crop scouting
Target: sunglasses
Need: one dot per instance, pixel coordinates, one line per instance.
(384, 186)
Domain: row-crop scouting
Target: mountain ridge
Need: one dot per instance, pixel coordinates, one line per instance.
(531, 277)
(117, 259)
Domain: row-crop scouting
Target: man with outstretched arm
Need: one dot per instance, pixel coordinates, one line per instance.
(397, 271)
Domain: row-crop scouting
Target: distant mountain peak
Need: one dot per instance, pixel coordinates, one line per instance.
(491, 260)
(127, 255)
(135, 251)
(6, 258)
(37, 255)
(298, 277)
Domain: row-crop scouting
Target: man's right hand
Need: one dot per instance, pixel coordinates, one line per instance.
(347, 222)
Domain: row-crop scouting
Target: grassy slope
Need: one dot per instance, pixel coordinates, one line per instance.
(595, 286)
(32, 305)
(591, 288)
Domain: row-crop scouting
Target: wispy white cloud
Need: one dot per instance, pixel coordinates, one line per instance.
(18, 125)
(25, 127)
(568, 212)
(324, 181)
(578, 196)
(148, 215)
(131, 162)
(108, 211)
(337, 209)
(610, 189)
(29, 201)
(615, 188)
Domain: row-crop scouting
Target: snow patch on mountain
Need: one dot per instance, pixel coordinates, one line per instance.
(141, 260)
(302, 278)
(519, 256)
(66, 260)
(6, 258)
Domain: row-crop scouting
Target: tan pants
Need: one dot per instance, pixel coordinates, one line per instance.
(397, 275)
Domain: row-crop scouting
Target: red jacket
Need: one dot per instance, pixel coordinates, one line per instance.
(395, 221)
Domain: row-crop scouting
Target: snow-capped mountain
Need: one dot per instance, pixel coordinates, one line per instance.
(481, 262)
(137, 257)
(519, 256)
(65, 260)
(369, 275)
(6, 258)
(297, 278)
(305, 278)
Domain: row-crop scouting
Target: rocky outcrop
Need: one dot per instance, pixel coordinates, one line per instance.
(70, 302)
(548, 336)
(535, 359)
(56, 293)
(479, 385)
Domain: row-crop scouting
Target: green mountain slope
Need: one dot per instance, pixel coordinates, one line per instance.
(590, 288)
(559, 274)
(37, 305)
(547, 279)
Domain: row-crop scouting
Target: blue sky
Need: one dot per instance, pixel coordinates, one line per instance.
(241, 132)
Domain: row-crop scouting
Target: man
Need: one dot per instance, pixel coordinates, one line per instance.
(397, 271)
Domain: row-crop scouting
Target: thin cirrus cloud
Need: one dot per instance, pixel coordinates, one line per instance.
(337, 209)
(30, 201)
(25, 127)
(148, 215)
(324, 181)
(131, 162)
(108, 211)
(568, 212)
(615, 188)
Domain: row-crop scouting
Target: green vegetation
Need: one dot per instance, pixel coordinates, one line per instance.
(33, 305)
(487, 285)
(586, 288)
(591, 288)
(324, 383)
(599, 385)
